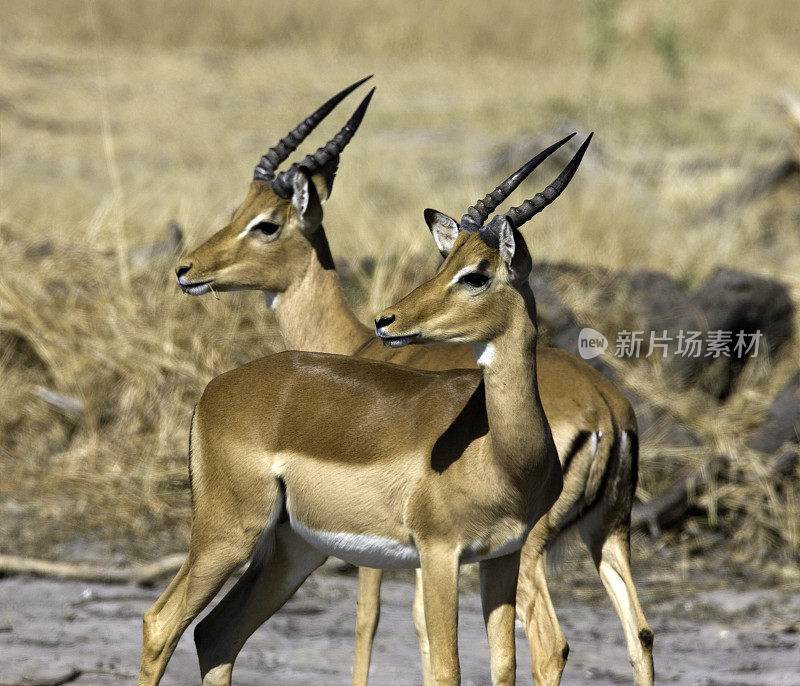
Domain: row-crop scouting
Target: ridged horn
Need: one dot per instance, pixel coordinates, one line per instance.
(265, 169)
(282, 185)
(517, 216)
(476, 215)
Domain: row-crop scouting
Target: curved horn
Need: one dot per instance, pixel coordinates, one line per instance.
(265, 169)
(282, 185)
(517, 216)
(477, 214)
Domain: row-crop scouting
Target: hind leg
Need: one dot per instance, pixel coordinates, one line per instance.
(281, 566)
(549, 648)
(615, 572)
(224, 535)
(201, 576)
(611, 554)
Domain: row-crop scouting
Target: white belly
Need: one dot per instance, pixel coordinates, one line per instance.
(365, 550)
(362, 550)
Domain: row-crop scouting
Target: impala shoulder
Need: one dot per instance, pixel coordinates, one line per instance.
(259, 373)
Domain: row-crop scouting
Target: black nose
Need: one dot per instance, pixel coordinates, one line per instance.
(384, 321)
(180, 271)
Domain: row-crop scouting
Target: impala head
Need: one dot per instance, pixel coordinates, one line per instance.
(486, 267)
(275, 229)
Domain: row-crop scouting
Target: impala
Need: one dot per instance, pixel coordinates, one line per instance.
(302, 455)
(593, 425)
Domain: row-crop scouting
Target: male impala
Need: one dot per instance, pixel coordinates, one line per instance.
(592, 423)
(301, 455)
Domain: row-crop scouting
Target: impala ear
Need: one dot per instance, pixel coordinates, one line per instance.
(444, 229)
(500, 235)
(323, 179)
(505, 239)
(514, 252)
(306, 201)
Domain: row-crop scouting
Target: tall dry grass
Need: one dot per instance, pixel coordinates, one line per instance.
(117, 117)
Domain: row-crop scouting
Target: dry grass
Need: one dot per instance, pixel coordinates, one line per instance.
(116, 117)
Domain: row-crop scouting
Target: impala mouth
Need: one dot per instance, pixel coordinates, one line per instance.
(194, 287)
(395, 341)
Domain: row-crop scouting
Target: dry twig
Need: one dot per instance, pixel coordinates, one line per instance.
(141, 575)
(66, 678)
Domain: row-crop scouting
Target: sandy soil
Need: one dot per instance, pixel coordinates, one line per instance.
(47, 628)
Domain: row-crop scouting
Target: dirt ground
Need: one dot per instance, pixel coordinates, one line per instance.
(49, 628)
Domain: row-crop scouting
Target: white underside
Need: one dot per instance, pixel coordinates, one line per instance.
(364, 550)
(361, 550)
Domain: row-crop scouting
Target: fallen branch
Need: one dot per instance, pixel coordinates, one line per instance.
(141, 575)
(67, 678)
(673, 503)
(676, 501)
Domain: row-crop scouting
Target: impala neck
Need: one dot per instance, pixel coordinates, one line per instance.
(313, 313)
(517, 421)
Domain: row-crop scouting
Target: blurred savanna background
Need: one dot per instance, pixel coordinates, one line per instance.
(120, 119)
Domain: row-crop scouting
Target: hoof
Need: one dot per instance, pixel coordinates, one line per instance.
(646, 637)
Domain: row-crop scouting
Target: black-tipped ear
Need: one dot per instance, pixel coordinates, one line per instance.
(444, 229)
(306, 201)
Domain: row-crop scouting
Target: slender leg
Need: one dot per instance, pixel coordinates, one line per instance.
(549, 648)
(615, 573)
(266, 585)
(197, 582)
(498, 596)
(422, 630)
(439, 565)
(368, 614)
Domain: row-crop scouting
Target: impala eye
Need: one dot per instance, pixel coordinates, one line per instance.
(266, 228)
(474, 280)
